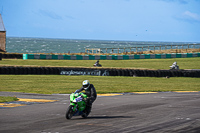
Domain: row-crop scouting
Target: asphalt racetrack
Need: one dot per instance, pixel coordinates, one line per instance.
(156, 113)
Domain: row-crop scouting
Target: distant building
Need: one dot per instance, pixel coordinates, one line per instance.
(2, 36)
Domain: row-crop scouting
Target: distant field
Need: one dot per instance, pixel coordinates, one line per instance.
(49, 84)
(184, 63)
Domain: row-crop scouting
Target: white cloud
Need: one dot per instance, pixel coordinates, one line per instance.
(50, 14)
(190, 15)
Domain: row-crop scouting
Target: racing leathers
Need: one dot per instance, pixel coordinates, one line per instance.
(91, 96)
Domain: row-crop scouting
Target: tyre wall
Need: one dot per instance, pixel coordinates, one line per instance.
(5, 70)
(109, 57)
(12, 56)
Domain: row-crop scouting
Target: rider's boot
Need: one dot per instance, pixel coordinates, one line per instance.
(88, 109)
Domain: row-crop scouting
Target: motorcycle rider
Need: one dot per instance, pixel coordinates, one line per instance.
(91, 94)
(96, 64)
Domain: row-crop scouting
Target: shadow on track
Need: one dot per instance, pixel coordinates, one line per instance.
(106, 117)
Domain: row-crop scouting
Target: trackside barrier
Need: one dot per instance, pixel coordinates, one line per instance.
(109, 57)
(0, 56)
(6, 70)
(12, 56)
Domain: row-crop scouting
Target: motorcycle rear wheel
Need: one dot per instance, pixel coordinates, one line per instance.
(85, 115)
(69, 112)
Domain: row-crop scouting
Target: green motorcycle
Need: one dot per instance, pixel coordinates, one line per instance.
(77, 106)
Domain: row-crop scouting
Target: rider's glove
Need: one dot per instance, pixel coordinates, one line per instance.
(85, 99)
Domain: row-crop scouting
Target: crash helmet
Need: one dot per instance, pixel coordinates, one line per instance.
(175, 63)
(86, 84)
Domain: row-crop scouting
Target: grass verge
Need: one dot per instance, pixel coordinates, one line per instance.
(184, 63)
(50, 84)
(7, 99)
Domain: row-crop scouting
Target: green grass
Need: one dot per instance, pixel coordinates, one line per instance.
(7, 99)
(49, 84)
(184, 63)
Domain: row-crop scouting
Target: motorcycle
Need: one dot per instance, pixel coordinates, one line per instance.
(77, 105)
(174, 66)
(96, 64)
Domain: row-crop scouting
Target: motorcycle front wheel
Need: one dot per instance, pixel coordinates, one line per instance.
(69, 112)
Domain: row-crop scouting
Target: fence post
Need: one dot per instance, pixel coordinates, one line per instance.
(106, 50)
(136, 49)
(154, 49)
(118, 50)
(199, 47)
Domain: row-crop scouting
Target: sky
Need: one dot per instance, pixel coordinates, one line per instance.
(126, 20)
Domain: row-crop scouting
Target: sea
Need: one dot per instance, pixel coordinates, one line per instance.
(62, 46)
